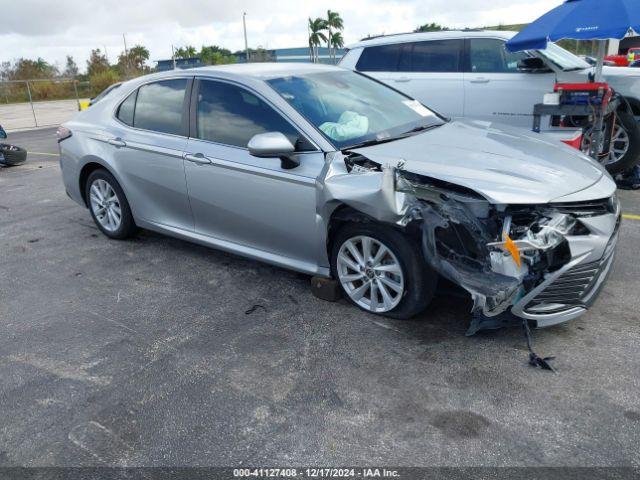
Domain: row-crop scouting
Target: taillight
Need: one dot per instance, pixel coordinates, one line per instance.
(63, 133)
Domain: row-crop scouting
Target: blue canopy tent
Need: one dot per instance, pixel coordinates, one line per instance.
(581, 20)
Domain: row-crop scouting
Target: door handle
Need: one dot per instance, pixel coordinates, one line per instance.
(480, 80)
(198, 158)
(403, 80)
(117, 142)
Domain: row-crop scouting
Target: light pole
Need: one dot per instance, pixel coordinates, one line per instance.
(246, 44)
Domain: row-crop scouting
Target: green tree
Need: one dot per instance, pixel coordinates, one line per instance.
(71, 68)
(188, 51)
(334, 24)
(430, 27)
(97, 63)
(133, 61)
(316, 36)
(103, 79)
(215, 55)
(25, 69)
(337, 42)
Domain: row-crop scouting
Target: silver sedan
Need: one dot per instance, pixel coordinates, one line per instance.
(330, 173)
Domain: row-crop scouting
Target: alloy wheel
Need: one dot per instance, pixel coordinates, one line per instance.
(105, 205)
(618, 147)
(370, 274)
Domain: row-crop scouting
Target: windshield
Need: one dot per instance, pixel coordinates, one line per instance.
(351, 109)
(563, 58)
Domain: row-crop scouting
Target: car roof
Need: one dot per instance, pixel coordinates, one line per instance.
(423, 36)
(239, 71)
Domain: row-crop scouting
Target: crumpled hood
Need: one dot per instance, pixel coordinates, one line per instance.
(506, 165)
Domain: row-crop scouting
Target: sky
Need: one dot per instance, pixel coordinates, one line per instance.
(52, 30)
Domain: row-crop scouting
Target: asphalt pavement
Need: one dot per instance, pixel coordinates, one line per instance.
(158, 352)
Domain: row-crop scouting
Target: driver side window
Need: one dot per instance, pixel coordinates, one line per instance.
(489, 55)
(232, 115)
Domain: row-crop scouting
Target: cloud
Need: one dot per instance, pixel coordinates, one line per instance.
(33, 28)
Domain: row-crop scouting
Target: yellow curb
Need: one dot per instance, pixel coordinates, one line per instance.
(628, 216)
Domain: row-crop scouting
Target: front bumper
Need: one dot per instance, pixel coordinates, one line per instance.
(568, 292)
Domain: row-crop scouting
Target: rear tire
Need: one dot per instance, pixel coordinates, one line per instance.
(109, 206)
(399, 294)
(10, 155)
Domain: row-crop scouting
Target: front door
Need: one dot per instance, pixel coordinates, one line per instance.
(494, 89)
(249, 202)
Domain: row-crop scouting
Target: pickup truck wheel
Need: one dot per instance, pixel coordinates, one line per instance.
(381, 270)
(624, 151)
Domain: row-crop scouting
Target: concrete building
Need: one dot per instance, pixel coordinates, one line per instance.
(300, 54)
(278, 55)
(182, 63)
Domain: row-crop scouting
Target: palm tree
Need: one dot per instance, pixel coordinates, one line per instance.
(337, 42)
(333, 23)
(316, 35)
(186, 52)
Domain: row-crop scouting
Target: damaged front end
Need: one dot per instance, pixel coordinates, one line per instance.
(544, 263)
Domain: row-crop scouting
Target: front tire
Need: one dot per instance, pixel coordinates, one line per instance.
(624, 151)
(109, 206)
(381, 270)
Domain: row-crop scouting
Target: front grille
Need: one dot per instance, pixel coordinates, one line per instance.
(588, 208)
(573, 287)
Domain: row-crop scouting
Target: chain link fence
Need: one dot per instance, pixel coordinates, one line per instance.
(42, 102)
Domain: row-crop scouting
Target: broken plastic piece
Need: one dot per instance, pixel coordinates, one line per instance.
(534, 359)
(512, 248)
(481, 322)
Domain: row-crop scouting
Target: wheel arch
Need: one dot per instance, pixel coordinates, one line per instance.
(633, 104)
(91, 165)
(343, 214)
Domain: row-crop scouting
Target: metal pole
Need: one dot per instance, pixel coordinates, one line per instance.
(246, 44)
(75, 89)
(33, 110)
(597, 135)
(602, 45)
(126, 56)
(173, 56)
(309, 42)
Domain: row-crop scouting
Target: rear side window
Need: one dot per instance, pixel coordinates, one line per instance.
(126, 109)
(231, 115)
(431, 56)
(436, 56)
(380, 58)
(160, 106)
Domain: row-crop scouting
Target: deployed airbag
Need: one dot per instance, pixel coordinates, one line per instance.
(349, 125)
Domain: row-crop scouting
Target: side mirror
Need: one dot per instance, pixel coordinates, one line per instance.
(272, 145)
(533, 65)
(3, 134)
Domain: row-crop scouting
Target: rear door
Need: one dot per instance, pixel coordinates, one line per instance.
(430, 71)
(495, 90)
(147, 145)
